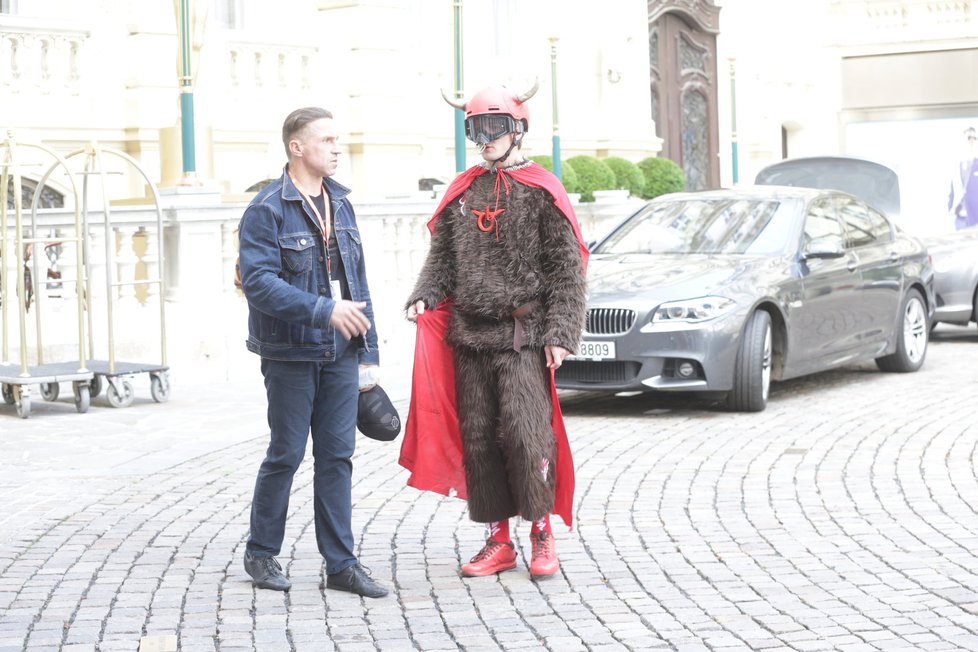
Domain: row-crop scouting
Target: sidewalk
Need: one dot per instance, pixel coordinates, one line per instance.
(841, 518)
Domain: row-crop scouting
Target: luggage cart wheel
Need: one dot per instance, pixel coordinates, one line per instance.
(8, 393)
(159, 387)
(95, 385)
(83, 396)
(23, 402)
(119, 393)
(50, 391)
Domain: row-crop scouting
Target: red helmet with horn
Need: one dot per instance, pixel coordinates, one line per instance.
(496, 100)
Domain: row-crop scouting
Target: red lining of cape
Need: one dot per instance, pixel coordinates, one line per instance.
(432, 446)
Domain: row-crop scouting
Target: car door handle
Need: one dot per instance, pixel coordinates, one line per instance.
(852, 263)
(894, 256)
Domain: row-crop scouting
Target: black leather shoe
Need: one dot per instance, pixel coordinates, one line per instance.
(266, 573)
(355, 579)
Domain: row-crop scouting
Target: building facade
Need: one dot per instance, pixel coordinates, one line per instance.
(722, 87)
(894, 81)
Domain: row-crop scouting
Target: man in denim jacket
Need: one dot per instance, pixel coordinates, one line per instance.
(311, 321)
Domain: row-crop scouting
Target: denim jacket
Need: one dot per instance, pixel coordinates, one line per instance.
(284, 275)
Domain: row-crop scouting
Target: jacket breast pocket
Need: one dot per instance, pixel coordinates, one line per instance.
(298, 252)
(349, 241)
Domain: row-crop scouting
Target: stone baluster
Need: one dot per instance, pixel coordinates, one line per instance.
(151, 264)
(229, 253)
(394, 248)
(125, 262)
(234, 75)
(49, 261)
(95, 263)
(7, 49)
(418, 242)
(66, 265)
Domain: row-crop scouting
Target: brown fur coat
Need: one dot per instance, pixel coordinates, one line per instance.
(502, 245)
(528, 254)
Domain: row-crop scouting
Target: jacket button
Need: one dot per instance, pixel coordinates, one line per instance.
(321, 259)
(302, 241)
(322, 291)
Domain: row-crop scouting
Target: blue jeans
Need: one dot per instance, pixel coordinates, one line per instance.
(321, 396)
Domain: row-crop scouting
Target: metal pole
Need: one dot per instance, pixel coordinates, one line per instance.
(186, 94)
(459, 93)
(733, 124)
(558, 172)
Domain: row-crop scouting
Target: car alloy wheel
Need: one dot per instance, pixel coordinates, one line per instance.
(912, 337)
(915, 330)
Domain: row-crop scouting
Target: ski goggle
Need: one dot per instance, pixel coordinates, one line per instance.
(483, 129)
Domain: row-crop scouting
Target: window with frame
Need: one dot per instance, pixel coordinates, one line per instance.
(822, 222)
(864, 226)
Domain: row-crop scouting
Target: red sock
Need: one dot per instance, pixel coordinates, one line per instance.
(499, 531)
(543, 525)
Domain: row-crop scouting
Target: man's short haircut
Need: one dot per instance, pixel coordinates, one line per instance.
(297, 121)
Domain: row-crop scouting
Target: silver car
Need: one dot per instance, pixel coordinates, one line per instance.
(726, 290)
(955, 257)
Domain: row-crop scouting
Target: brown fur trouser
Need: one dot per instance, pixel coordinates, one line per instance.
(504, 409)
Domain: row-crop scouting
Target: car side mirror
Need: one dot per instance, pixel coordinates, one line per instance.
(824, 248)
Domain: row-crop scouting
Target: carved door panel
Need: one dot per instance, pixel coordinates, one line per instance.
(683, 79)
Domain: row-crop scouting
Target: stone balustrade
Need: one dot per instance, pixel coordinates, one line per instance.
(205, 315)
(892, 21)
(41, 55)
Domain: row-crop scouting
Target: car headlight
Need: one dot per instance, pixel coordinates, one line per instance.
(692, 310)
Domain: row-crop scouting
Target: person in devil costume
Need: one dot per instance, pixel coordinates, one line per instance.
(499, 304)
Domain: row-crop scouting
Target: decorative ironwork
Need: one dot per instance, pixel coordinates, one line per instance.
(655, 108)
(695, 128)
(691, 57)
(702, 13)
(49, 198)
(654, 49)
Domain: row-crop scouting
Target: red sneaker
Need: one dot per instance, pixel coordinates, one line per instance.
(494, 557)
(543, 560)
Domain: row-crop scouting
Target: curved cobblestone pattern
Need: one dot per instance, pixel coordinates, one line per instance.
(841, 518)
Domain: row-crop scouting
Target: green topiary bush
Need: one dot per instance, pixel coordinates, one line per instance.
(627, 175)
(543, 160)
(592, 174)
(661, 176)
(569, 176)
(572, 182)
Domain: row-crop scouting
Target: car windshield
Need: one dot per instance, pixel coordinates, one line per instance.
(704, 226)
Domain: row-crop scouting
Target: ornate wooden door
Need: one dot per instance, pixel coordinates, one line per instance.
(683, 83)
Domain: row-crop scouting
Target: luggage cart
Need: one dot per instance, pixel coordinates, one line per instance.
(16, 380)
(113, 374)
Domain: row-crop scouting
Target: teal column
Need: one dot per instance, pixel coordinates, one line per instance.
(459, 93)
(186, 95)
(734, 163)
(558, 172)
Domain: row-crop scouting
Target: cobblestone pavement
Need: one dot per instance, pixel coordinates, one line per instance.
(844, 517)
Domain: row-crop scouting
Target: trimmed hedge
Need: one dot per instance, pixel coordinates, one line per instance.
(592, 174)
(627, 175)
(569, 179)
(662, 176)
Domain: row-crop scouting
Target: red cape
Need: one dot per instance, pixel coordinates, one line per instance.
(432, 446)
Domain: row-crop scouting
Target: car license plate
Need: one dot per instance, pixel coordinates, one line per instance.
(595, 351)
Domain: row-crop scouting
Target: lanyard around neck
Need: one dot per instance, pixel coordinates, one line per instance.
(323, 224)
